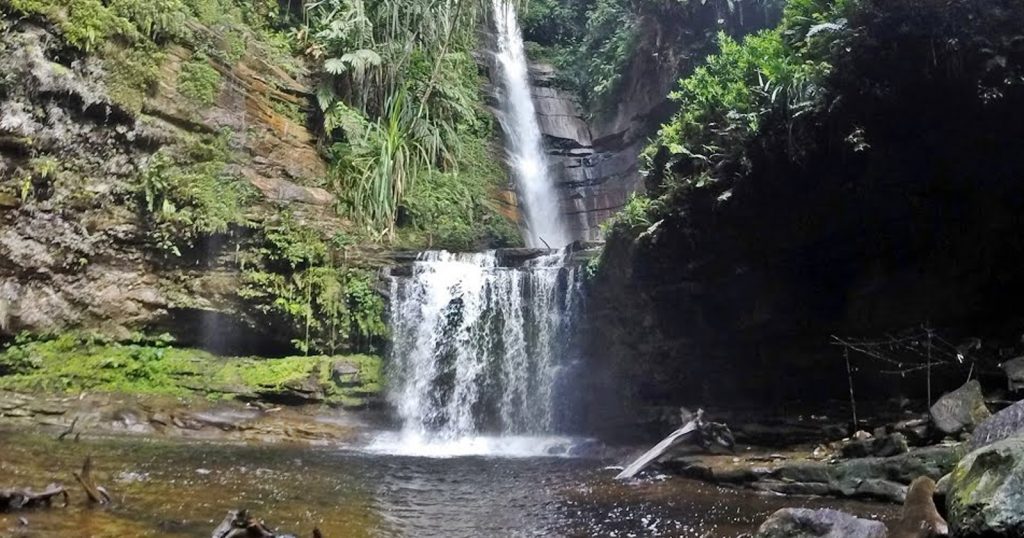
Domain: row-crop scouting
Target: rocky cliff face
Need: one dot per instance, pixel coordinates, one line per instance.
(75, 249)
(594, 179)
(594, 154)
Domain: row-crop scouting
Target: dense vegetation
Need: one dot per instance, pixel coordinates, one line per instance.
(593, 42)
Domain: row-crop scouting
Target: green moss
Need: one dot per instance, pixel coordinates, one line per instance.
(75, 362)
(198, 81)
(131, 73)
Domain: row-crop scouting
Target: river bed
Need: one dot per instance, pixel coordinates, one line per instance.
(181, 488)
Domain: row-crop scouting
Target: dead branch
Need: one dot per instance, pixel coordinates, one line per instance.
(14, 499)
(69, 431)
(97, 494)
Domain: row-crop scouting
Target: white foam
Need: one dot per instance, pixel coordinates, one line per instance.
(512, 446)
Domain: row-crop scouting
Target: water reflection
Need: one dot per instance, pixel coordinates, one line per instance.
(178, 489)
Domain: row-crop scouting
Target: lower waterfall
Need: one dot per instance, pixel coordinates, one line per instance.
(479, 347)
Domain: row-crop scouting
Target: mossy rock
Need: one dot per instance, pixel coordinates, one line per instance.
(72, 363)
(986, 497)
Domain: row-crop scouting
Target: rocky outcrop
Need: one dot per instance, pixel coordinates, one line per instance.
(873, 478)
(807, 523)
(75, 251)
(594, 181)
(986, 493)
(1014, 369)
(960, 410)
(1008, 422)
(732, 291)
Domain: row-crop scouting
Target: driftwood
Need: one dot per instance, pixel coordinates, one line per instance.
(238, 524)
(97, 494)
(15, 499)
(695, 430)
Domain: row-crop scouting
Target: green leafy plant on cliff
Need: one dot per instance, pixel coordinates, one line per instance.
(293, 278)
(199, 81)
(187, 191)
(401, 100)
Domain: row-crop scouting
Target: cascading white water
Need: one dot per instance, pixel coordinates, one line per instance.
(477, 348)
(544, 225)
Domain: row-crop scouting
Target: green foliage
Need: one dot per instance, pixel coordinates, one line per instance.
(45, 167)
(451, 209)
(400, 94)
(159, 20)
(330, 308)
(292, 277)
(774, 76)
(723, 101)
(635, 216)
(199, 81)
(187, 191)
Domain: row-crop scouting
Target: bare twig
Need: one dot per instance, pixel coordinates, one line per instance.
(97, 494)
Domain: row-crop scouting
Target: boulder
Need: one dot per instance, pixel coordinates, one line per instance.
(807, 523)
(877, 478)
(960, 410)
(344, 373)
(1014, 369)
(986, 492)
(1005, 424)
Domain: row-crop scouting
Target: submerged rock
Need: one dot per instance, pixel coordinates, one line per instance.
(986, 497)
(960, 410)
(807, 523)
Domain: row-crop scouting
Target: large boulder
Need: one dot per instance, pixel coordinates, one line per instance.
(1014, 369)
(807, 523)
(986, 497)
(960, 410)
(1005, 424)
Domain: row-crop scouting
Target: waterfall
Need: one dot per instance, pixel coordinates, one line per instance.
(518, 118)
(477, 348)
(479, 343)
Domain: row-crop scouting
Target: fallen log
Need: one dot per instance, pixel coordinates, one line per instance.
(704, 434)
(97, 494)
(17, 499)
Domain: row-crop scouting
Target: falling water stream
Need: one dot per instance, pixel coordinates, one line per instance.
(478, 349)
(523, 141)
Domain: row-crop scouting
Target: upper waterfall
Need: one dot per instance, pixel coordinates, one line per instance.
(544, 225)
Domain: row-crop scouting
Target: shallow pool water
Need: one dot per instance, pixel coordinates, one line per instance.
(173, 488)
